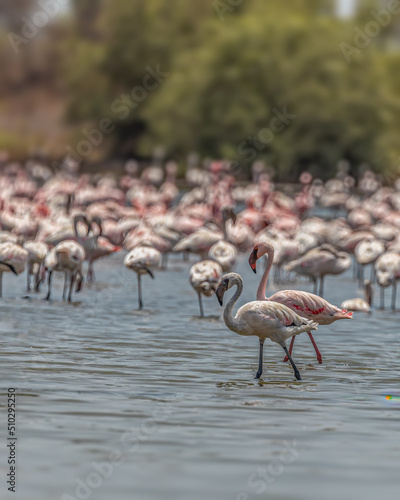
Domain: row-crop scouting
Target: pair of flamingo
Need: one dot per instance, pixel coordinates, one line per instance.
(284, 315)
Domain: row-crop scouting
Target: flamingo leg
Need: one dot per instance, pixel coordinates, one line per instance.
(382, 298)
(1, 285)
(71, 285)
(140, 292)
(38, 279)
(49, 285)
(361, 274)
(372, 272)
(164, 261)
(354, 269)
(319, 357)
(286, 359)
(394, 290)
(321, 287)
(260, 360)
(201, 305)
(296, 371)
(65, 286)
(28, 280)
(315, 286)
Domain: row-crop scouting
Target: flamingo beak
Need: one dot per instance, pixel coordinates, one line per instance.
(220, 291)
(253, 260)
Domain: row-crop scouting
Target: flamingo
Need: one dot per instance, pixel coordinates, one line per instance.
(204, 277)
(97, 247)
(263, 319)
(366, 252)
(37, 251)
(200, 241)
(387, 271)
(319, 262)
(224, 252)
(305, 304)
(69, 233)
(142, 260)
(66, 257)
(12, 259)
(359, 304)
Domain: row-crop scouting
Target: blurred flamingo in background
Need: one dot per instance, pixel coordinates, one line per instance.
(37, 251)
(12, 259)
(319, 262)
(142, 260)
(204, 277)
(66, 257)
(358, 304)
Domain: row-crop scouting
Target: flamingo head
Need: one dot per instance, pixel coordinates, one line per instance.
(222, 287)
(225, 283)
(259, 250)
(253, 259)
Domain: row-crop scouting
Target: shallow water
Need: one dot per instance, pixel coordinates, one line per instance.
(117, 403)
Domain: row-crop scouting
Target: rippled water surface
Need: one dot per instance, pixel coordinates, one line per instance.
(160, 404)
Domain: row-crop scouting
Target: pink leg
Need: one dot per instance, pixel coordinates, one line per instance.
(286, 359)
(319, 357)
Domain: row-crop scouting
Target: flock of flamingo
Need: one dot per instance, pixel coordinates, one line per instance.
(64, 223)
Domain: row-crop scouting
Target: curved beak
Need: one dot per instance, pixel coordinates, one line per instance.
(222, 288)
(253, 260)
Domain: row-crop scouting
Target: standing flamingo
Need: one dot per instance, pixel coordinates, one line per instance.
(224, 252)
(97, 247)
(319, 262)
(37, 251)
(263, 319)
(204, 277)
(305, 304)
(387, 271)
(12, 259)
(66, 257)
(142, 260)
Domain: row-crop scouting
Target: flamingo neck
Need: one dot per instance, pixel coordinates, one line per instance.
(230, 321)
(262, 287)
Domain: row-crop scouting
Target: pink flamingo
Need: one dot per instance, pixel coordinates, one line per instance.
(263, 319)
(305, 304)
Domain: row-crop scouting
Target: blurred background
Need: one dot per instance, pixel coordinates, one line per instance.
(106, 81)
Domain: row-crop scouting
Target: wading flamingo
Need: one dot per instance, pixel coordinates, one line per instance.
(37, 251)
(224, 252)
(367, 252)
(66, 257)
(96, 247)
(142, 260)
(305, 304)
(359, 304)
(204, 278)
(319, 262)
(387, 271)
(12, 259)
(263, 319)
(70, 232)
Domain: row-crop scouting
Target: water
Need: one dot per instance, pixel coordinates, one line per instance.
(160, 404)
